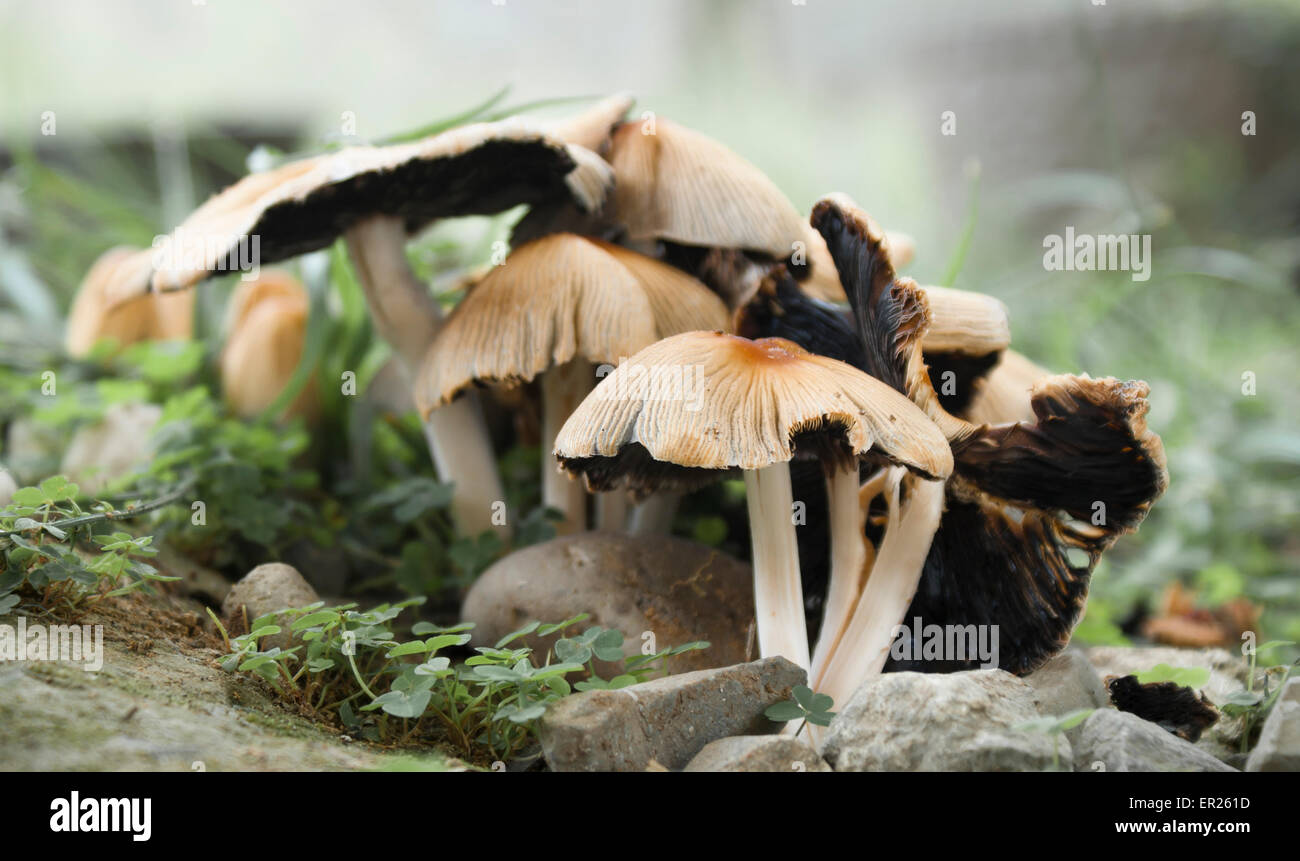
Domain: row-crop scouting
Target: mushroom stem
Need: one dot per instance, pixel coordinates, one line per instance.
(850, 556)
(458, 438)
(563, 388)
(611, 511)
(655, 515)
(407, 317)
(892, 582)
(778, 593)
(404, 312)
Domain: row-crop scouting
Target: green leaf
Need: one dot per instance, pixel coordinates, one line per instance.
(413, 648)
(784, 711)
(1190, 677)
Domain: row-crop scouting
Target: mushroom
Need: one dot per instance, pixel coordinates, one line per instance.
(375, 196)
(823, 282)
(266, 331)
(1003, 394)
(1030, 506)
(145, 318)
(686, 409)
(556, 307)
(700, 206)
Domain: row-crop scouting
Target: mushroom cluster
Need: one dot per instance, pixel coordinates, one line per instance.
(682, 321)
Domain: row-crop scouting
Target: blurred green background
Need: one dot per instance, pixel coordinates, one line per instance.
(1107, 118)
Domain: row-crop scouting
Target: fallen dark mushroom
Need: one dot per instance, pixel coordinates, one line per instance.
(1171, 706)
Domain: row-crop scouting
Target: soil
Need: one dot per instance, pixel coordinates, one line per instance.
(161, 702)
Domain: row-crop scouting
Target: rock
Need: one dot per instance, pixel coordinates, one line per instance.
(1065, 684)
(111, 448)
(31, 450)
(1121, 741)
(757, 753)
(7, 486)
(667, 720)
(676, 590)
(267, 588)
(940, 722)
(1279, 741)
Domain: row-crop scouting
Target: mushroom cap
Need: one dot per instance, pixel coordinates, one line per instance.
(591, 128)
(555, 299)
(265, 339)
(1021, 533)
(966, 323)
(93, 316)
(1004, 393)
(682, 186)
(304, 205)
(694, 404)
(823, 281)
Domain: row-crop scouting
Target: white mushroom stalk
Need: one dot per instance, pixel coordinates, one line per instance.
(563, 388)
(778, 589)
(864, 645)
(406, 315)
(851, 556)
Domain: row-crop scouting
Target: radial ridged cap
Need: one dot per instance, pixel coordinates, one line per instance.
(555, 299)
(679, 185)
(712, 401)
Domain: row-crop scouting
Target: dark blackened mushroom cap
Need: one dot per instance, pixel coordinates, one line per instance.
(962, 334)
(1031, 505)
(305, 205)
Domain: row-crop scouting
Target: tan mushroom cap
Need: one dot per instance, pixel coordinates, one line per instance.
(93, 316)
(965, 322)
(680, 185)
(591, 129)
(304, 205)
(265, 339)
(555, 299)
(741, 404)
(1004, 395)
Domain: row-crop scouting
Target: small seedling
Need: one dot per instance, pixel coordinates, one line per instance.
(804, 705)
(1055, 726)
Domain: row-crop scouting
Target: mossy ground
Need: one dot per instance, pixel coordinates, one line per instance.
(162, 703)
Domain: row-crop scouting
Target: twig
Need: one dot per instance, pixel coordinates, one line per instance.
(116, 514)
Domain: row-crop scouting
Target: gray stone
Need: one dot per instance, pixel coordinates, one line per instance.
(115, 446)
(676, 590)
(1279, 741)
(266, 589)
(777, 753)
(7, 486)
(665, 721)
(1113, 740)
(1066, 683)
(940, 722)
